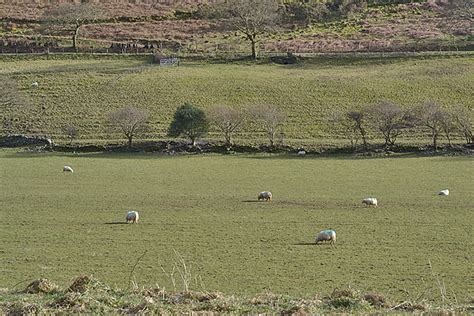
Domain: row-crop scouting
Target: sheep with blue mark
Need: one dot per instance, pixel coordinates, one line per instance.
(132, 217)
(326, 235)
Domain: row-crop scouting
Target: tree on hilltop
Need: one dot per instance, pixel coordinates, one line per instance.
(252, 18)
(74, 15)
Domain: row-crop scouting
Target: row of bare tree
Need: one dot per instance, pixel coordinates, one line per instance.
(389, 121)
(384, 120)
(193, 123)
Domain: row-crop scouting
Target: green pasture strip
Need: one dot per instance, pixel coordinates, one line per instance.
(203, 209)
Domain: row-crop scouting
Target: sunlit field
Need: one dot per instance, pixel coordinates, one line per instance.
(203, 209)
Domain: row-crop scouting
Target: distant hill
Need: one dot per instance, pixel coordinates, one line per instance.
(181, 26)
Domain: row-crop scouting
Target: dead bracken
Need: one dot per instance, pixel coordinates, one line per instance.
(90, 296)
(41, 286)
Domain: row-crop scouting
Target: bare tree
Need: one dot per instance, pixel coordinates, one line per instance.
(448, 125)
(432, 116)
(75, 16)
(340, 121)
(269, 118)
(71, 133)
(462, 118)
(389, 119)
(252, 18)
(130, 121)
(227, 120)
(358, 119)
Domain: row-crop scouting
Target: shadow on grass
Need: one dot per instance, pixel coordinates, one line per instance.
(251, 201)
(257, 156)
(285, 156)
(306, 244)
(116, 223)
(107, 155)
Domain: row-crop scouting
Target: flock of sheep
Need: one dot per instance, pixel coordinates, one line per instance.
(325, 235)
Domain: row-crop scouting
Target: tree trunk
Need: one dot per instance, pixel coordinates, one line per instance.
(75, 36)
(254, 50)
(130, 142)
(253, 43)
(468, 136)
(435, 141)
(228, 141)
(449, 139)
(193, 141)
(364, 138)
(271, 137)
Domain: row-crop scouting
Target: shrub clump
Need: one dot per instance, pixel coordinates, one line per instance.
(22, 308)
(84, 283)
(376, 300)
(41, 286)
(346, 299)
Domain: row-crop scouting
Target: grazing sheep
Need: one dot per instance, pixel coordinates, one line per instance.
(34, 84)
(301, 152)
(326, 235)
(67, 169)
(370, 201)
(132, 217)
(265, 196)
(444, 192)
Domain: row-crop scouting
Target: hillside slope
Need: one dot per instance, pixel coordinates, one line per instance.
(80, 93)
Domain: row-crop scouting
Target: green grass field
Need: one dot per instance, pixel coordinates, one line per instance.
(59, 226)
(81, 93)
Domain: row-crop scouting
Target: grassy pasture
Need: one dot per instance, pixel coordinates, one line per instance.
(80, 93)
(58, 226)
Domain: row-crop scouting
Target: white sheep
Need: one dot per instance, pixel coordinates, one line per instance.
(370, 201)
(444, 192)
(34, 84)
(67, 169)
(301, 152)
(326, 235)
(265, 196)
(132, 217)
